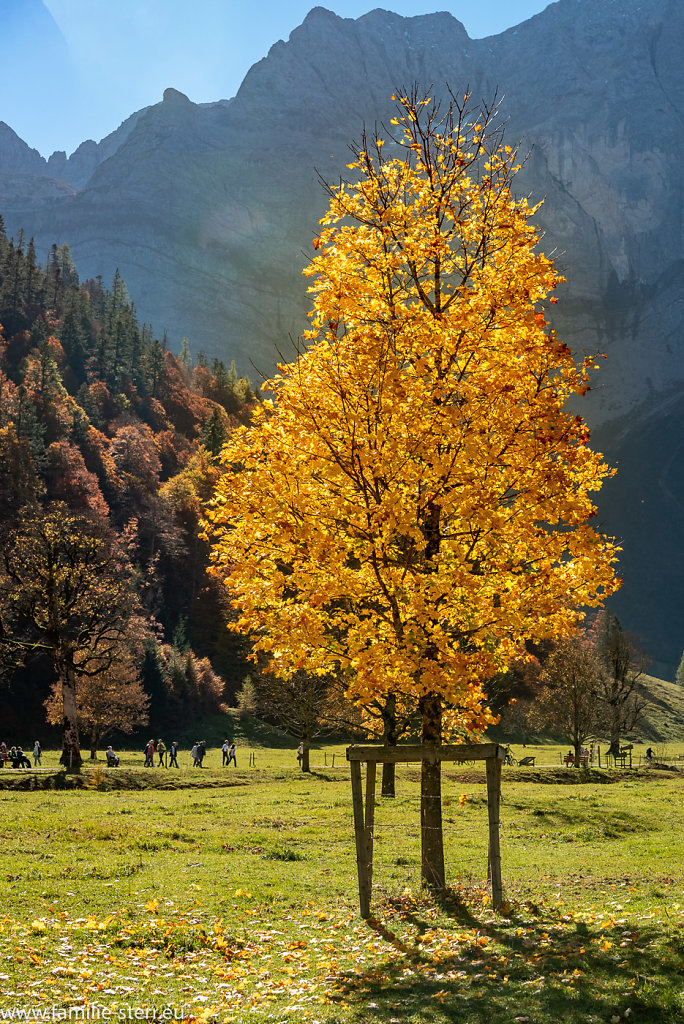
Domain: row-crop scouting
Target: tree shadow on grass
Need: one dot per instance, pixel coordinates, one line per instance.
(493, 972)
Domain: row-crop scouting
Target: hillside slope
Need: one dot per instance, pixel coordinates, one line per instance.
(663, 717)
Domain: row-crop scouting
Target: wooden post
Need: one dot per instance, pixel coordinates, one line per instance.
(493, 801)
(361, 848)
(491, 753)
(370, 816)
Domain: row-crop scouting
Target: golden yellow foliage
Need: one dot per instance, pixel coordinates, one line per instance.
(414, 501)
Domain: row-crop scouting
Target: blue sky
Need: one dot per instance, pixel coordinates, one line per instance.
(120, 55)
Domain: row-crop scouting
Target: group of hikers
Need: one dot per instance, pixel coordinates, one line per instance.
(17, 758)
(168, 757)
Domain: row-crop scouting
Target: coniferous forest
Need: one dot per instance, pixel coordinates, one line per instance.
(106, 434)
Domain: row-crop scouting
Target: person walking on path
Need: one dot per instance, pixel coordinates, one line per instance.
(149, 754)
(161, 750)
(300, 752)
(231, 753)
(224, 751)
(36, 754)
(201, 752)
(195, 755)
(173, 755)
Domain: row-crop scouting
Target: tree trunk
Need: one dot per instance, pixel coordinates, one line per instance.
(389, 738)
(71, 750)
(388, 779)
(432, 842)
(95, 738)
(614, 748)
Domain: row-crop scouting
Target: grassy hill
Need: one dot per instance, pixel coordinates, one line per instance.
(663, 717)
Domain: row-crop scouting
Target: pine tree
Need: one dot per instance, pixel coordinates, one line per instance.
(679, 676)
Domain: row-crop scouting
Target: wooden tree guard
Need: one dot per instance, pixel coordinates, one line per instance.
(492, 753)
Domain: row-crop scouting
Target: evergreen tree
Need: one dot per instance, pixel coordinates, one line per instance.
(4, 244)
(33, 275)
(74, 333)
(679, 677)
(214, 433)
(185, 354)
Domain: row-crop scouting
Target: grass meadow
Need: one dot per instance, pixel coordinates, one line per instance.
(232, 894)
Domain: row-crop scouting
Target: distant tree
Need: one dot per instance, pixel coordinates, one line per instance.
(75, 333)
(137, 463)
(154, 365)
(19, 483)
(29, 428)
(305, 706)
(112, 700)
(246, 700)
(679, 675)
(69, 480)
(60, 275)
(214, 433)
(4, 244)
(155, 682)
(185, 355)
(33, 275)
(66, 589)
(568, 703)
(621, 702)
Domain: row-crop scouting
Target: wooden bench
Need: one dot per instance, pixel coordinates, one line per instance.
(527, 762)
(569, 759)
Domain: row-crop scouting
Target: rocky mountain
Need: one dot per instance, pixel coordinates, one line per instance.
(208, 211)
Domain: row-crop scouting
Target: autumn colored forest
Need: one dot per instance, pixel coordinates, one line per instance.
(101, 423)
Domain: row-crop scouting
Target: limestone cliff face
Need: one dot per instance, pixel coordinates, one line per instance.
(208, 210)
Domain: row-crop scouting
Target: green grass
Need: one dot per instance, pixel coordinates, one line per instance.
(664, 711)
(223, 902)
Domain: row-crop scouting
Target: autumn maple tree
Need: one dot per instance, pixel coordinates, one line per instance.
(108, 701)
(67, 592)
(414, 501)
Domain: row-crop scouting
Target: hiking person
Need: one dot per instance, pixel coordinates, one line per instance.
(173, 755)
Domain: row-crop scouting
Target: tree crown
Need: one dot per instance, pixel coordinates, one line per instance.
(414, 500)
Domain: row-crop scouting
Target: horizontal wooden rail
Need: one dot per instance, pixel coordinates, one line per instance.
(427, 752)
